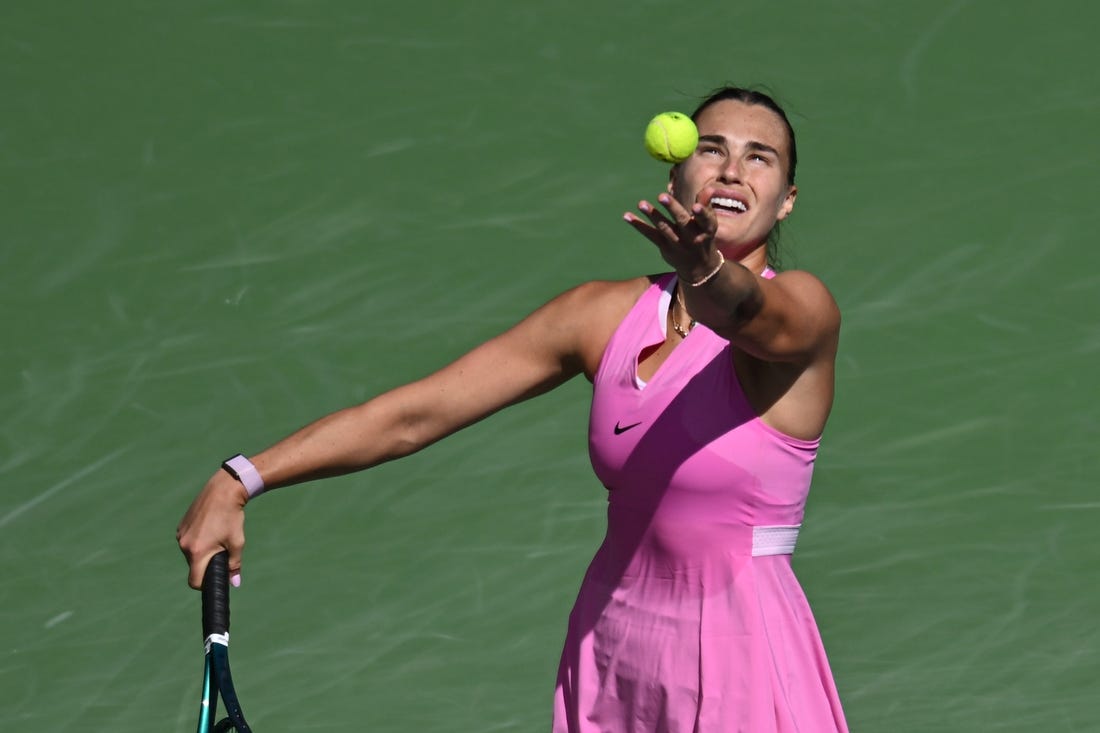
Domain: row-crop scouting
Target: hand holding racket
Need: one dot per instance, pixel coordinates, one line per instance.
(215, 632)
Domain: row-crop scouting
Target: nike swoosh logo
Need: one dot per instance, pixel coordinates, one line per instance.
(619, 430)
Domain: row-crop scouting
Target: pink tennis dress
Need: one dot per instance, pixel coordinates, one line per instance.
(689, 619)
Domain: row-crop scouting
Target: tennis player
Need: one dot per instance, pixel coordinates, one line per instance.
(712, 385)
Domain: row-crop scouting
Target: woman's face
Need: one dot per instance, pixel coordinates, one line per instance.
(739, 171)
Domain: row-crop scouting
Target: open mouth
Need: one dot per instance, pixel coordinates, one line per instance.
(727, 204)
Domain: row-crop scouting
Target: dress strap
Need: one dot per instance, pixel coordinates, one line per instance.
(777, 539)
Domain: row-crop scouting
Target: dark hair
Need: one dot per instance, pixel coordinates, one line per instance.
(751, 96)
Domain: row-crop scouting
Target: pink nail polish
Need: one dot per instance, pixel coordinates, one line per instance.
(235, 580)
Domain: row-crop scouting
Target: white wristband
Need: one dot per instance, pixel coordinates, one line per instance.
(242, 469)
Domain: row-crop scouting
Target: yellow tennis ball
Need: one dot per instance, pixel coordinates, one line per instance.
(671, 137)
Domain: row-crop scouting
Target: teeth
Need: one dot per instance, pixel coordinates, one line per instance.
(727, 203)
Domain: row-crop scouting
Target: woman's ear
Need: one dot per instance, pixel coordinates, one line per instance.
(787, 206)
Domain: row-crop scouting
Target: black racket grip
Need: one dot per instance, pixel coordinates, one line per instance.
(215, 596)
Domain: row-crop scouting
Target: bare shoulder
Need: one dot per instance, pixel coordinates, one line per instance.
(596, 296)
(809, 298)
(790, 318)
(805, 286)
(593, 310)
(564, 337)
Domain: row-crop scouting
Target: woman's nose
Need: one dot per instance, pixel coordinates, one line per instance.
(731, 171)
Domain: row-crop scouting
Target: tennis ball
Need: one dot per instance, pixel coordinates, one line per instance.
(671, 137)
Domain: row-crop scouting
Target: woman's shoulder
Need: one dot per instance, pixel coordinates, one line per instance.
(592, 301)
(594, 309)
(609, 299)
(811, 294)
(614, 290)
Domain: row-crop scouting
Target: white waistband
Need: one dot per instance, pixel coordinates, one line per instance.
(777, 539)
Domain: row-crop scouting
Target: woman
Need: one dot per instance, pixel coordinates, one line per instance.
(711, 388)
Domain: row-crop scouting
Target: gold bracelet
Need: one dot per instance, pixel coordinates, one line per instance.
(710, 275)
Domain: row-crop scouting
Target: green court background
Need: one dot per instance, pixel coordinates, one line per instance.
(221, 220)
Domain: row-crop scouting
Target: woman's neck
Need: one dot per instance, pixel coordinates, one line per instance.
(754, 261)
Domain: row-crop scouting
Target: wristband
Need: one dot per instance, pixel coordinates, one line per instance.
(242, 469)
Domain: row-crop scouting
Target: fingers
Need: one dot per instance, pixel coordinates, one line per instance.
(681, 215)
(645, 229)
(679, 228)
(699, 222)
(661, 230)
(235, 566)
(198, 568)
(706, 220)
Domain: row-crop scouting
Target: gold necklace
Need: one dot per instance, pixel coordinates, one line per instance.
(676, 321)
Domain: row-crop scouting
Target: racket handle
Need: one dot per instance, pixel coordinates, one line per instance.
(215, 596)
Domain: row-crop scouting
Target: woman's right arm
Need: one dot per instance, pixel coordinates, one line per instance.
(555, 343)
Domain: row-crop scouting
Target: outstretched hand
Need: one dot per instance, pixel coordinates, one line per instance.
(684, 237)
(214, 522)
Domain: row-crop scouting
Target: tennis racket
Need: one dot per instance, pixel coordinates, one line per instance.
(215, 633)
